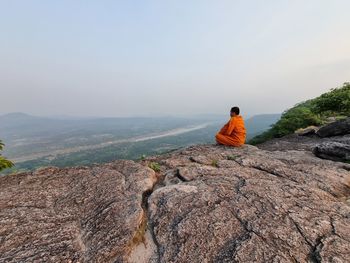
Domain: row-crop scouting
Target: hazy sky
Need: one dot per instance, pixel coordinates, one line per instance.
(122, 58)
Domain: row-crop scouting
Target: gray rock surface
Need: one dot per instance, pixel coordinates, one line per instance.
(300, 143)
(335, 128)
(207, 204)
(335, 151)
(327, 144)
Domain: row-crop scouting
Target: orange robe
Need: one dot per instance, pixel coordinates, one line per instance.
(233, 133)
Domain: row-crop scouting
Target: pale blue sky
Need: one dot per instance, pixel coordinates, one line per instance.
(124, 58)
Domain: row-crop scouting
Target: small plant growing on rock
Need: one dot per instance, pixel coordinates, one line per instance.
(232, 157)
(154, 166)
(214, 163)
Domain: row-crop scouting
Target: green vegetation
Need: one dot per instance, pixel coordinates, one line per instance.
(154, 166)
(27, 135)
(4, 163)
(335, 103)
(214, 163)
(127, 150)
(232, 157)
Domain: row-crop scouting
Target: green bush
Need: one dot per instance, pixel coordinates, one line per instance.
(334, 103)
(4, 163)
(295, 118)
(154, 166)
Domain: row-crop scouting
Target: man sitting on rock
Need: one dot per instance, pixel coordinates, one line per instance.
(233, 133)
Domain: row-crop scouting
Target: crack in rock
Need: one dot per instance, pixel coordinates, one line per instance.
(238, 211)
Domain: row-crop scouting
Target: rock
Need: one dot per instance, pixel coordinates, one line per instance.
(335, 148)
(300, 143)
(335, 151)
(292, 142)
(207, 204)
(73, 215)
(331, 119)
(341, 127)
(307, 131)
(263, 207)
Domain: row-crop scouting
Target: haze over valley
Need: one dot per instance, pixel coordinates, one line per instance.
(33, 141)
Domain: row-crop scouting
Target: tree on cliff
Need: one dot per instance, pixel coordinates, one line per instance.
(4, 163)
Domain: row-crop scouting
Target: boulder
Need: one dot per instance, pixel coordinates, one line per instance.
(341, 127)
(335, 151)
(307, 131)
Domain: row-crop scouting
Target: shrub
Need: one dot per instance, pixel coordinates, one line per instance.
(4, 163)
(154, 166)
(334, 103)
(293, 119)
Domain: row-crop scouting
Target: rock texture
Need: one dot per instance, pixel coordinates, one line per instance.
(335, 151)
(73, 215)
(249, 205)
(207, 204)
(331, 141)
(335, 128)
(300, 143)
(307, 131)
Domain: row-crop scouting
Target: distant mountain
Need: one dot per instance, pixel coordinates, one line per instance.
(16, 116)
(260, 123)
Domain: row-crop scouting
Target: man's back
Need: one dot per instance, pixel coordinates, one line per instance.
(233, 133)
(238, 131)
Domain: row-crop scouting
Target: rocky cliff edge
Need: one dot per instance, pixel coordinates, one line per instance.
(205, 203)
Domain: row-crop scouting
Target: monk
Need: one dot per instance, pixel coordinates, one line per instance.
(233, 133)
